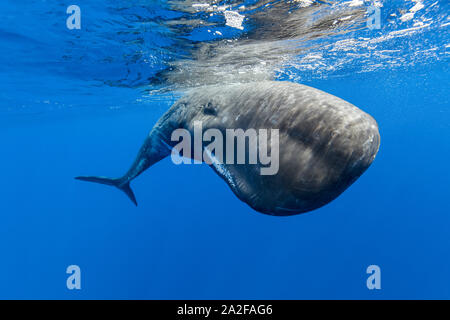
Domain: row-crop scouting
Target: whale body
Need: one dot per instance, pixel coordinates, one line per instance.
(325, 143)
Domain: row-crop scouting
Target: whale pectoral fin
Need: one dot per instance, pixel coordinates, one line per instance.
(117, 182)
(236, 180)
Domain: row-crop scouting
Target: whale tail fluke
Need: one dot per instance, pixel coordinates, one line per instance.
(117, 182)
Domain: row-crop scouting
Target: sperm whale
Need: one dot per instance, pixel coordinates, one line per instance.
(324, 143)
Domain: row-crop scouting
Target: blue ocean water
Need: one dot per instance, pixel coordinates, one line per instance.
(82, 102)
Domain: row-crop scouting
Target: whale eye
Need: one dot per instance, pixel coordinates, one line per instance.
(209, 109)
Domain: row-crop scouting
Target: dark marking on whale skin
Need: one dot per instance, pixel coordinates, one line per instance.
(209, 109)
(325, 143)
